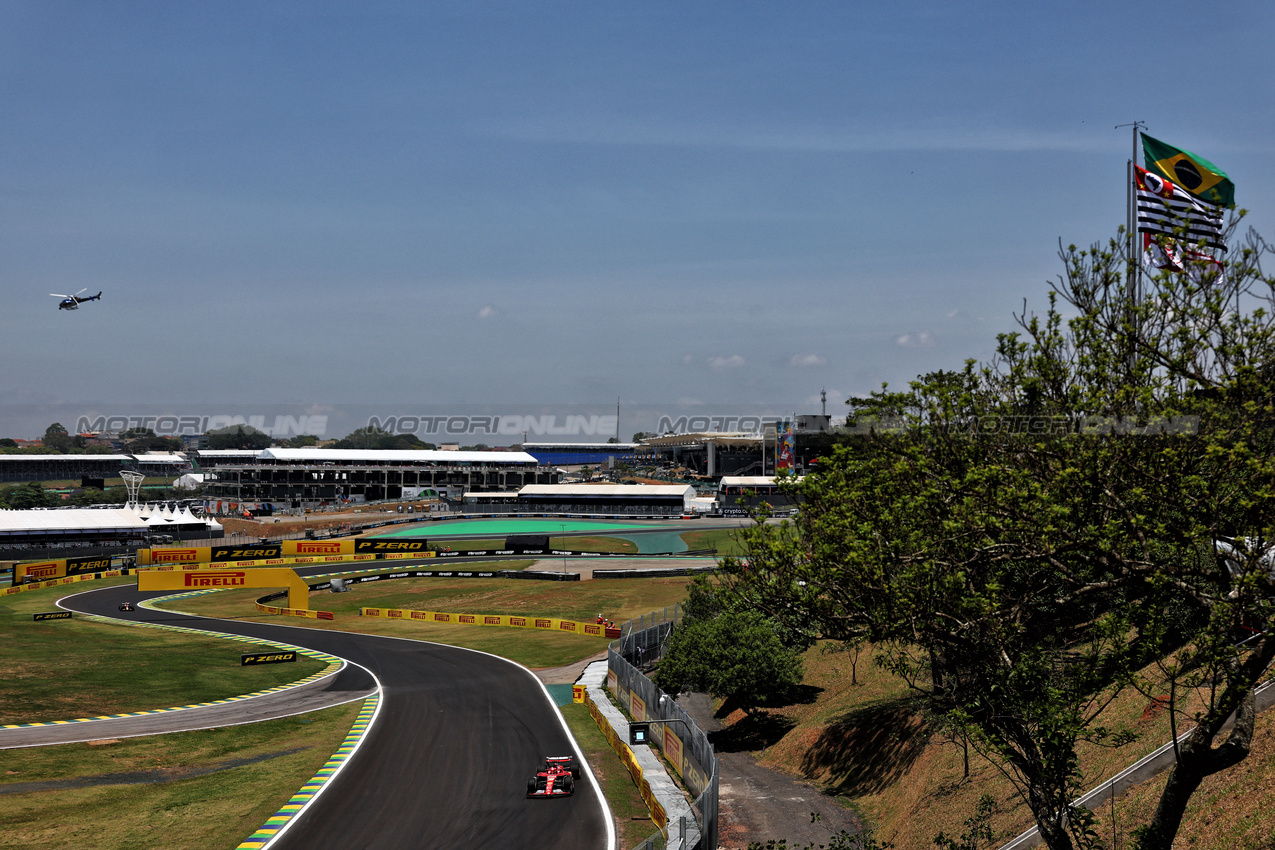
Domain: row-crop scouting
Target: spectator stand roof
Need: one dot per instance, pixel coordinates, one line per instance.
(746, 481)
(392, 456)
(70, 522)
(618, 492)
(70, 458)
(581, 454)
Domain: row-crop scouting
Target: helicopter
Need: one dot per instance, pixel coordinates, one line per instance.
(73, 302)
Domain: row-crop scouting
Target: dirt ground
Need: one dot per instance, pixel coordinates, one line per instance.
(274, 526)
(758, 804)
(754, 803)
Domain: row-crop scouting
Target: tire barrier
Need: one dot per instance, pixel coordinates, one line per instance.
(553, 624)
(675, 571)
(296, 612)
(658, 815)
(36, 585)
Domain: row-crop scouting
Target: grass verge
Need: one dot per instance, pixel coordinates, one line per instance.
(724, 540)
(69, 669)
(633, 822)
(185, 791)
(582, 601)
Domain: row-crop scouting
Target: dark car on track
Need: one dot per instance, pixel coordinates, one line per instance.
(126, 606)
(557, 778)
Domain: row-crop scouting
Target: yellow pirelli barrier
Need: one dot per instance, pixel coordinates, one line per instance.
(298, 590)
(289, 551)
(190, 555)
(658, 815)
(510, 622)
(296, 612)
(664, 737)
(42, 570)
(36, 585)
(293, 548)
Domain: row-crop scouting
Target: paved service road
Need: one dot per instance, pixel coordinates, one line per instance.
(446, 762)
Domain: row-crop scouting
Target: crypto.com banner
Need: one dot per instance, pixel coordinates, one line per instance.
(494, 425)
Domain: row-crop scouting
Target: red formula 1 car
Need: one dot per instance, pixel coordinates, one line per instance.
(556, 779)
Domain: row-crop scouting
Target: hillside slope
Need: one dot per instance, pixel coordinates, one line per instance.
(867, 743)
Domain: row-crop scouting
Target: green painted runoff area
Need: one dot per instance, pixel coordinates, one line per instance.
(497, 527)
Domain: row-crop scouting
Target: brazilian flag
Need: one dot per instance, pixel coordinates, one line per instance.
(1193, 173)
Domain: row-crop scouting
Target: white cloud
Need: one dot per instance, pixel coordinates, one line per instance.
(487, 311)
(687, 359)
(807, 360)
(915, 339)
(721, 364)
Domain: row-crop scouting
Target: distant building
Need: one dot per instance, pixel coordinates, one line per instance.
(582, 454)
(635, 499)
(714, 454)
(59, 467)
(740, 495)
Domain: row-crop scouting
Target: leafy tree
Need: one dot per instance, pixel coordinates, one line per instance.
(978, 829)
(1020, 539)
(56, 438)
(8, 443)
(300, 441)
(736, 657)
(91, 496)
(238, 437)
(145, 440)
(25, 496)
(376, 438)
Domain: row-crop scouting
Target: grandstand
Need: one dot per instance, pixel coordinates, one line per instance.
(59, 467)
(309, 477)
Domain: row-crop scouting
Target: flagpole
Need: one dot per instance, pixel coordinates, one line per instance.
(1131, 221)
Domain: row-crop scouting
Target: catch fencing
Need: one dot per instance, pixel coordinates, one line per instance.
(685, 746)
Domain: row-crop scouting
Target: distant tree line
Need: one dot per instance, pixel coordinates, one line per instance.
(32, 494)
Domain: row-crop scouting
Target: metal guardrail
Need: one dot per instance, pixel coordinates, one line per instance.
(641, 644)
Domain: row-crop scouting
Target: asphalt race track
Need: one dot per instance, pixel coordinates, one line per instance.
(446, 762)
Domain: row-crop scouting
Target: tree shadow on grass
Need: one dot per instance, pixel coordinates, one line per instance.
(867, 749)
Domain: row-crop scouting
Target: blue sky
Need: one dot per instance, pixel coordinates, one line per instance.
(478, 203)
